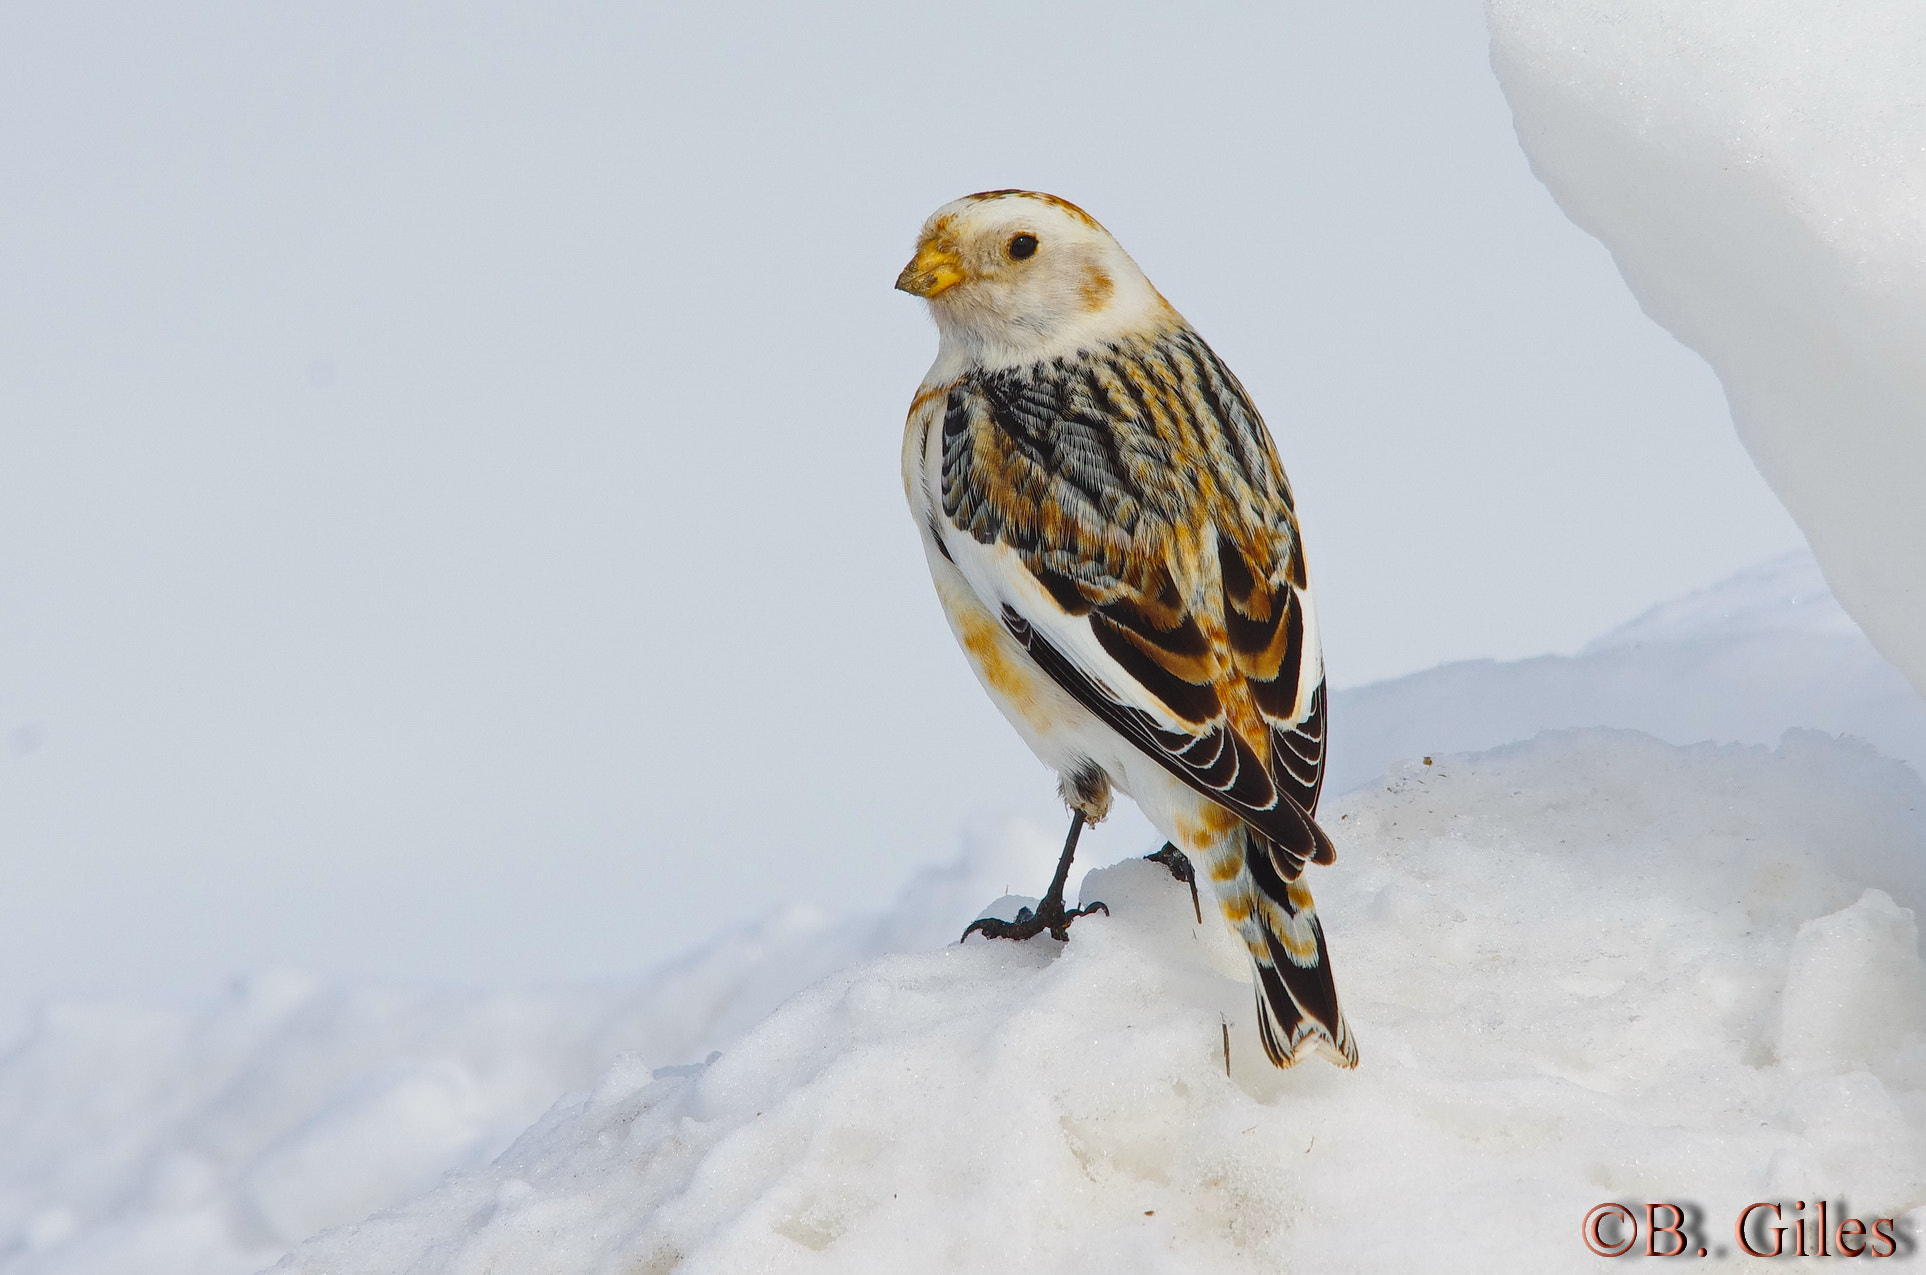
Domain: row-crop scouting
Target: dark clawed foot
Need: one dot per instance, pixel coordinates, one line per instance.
(1179, 864)
(1050, 914)
(1029, 924)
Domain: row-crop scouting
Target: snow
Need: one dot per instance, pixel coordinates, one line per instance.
(1744, 660)
(212, 1138)
(1855, 991)
(1591, 966)
(1755, 168)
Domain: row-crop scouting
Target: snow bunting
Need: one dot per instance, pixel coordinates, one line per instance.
(1113, 541)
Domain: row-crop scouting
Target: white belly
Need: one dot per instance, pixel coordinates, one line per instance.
(1065, 736)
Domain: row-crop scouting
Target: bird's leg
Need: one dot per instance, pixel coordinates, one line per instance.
(1050, 913)
(1179, 864)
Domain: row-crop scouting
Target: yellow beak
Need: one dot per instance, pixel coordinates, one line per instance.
(933, 271)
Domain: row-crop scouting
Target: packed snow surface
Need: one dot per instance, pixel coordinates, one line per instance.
(1758, 170)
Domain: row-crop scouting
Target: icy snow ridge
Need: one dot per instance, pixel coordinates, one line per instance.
(1758, 170)
(1591, 967)
(1743, 661)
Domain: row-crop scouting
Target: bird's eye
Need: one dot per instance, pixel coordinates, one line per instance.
(1022, 246)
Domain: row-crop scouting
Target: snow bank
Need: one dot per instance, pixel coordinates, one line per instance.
(1742, 661)
(1758, 170)
(212, 1139)
(1594, 967)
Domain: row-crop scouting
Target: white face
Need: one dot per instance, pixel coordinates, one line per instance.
(1014, 276)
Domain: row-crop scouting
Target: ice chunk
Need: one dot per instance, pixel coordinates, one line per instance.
(1855, 989)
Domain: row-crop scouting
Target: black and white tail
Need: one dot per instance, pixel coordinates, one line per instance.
(1297, 1002)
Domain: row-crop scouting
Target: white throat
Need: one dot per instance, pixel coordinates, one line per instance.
(975, 339)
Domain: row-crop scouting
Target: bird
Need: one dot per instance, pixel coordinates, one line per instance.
(1115, 545)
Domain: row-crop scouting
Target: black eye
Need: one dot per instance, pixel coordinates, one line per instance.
(1022, 246)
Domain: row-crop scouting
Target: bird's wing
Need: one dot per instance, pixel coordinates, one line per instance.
(1126, 515)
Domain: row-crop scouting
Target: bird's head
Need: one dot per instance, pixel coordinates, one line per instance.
(1013, 276)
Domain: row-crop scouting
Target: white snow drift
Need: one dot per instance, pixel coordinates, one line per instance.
(1595, 967)
(1758, 170)
(198, 1142)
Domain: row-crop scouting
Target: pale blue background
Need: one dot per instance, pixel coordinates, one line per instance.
(449, 515)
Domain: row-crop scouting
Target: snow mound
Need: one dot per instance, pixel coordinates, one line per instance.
(1742, 661)
(213, 1139)
(1592, 967)
(1754, 166)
